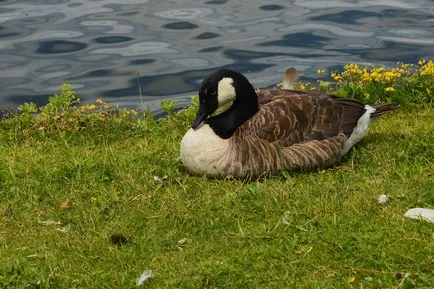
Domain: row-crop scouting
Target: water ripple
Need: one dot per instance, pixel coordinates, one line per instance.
(109, 48)
(59, 46)
(137, 49)
(180, 25)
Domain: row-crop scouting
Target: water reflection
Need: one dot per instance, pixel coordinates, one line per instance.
(109, 48)
(59, 46)
(271, 7)
(345, 17)
(301, 39)
(112, 39)
(180, 25)
(207, 35)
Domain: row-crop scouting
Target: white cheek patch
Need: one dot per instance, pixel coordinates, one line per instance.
(225, 91)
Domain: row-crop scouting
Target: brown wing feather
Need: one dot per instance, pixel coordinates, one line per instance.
(259, 156)
(287, 117)
(283, 117)
(335, 115)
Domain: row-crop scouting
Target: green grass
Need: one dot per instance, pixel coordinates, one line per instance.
(318, 229)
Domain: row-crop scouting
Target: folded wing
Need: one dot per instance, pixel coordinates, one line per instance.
(289, 117)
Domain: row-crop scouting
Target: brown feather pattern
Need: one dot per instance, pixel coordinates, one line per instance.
(292, 129)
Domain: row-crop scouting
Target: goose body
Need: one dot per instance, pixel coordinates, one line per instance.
(270, 130)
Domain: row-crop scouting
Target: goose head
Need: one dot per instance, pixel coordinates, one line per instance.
(290, 77)
(220, 88)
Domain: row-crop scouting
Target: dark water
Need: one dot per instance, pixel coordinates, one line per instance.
(109, 48)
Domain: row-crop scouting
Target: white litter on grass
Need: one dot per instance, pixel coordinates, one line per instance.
(182, 243)
(64, 229)
(382, 199)
(144, 277)
(421, 213)
(158, 179)
(49, 223)
(286, 219)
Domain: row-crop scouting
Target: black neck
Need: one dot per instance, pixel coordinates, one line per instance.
(242, 109)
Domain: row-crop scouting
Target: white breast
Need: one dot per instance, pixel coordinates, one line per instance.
(204, 152)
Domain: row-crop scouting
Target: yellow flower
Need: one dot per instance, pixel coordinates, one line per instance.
(389, 75)
(421, 62)
(134, 112)
(389, 89)
(336, 76)
(99, 101)
(366, 77)
(91, 107)
(428, 68)
(320, 71)
(352, 66)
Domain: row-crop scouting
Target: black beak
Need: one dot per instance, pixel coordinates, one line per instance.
(200, 118)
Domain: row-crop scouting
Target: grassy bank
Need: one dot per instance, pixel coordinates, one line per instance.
(100, 173)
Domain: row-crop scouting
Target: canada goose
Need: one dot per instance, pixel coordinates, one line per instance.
(270, 130)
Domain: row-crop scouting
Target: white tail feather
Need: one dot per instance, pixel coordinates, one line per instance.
(360, 130)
